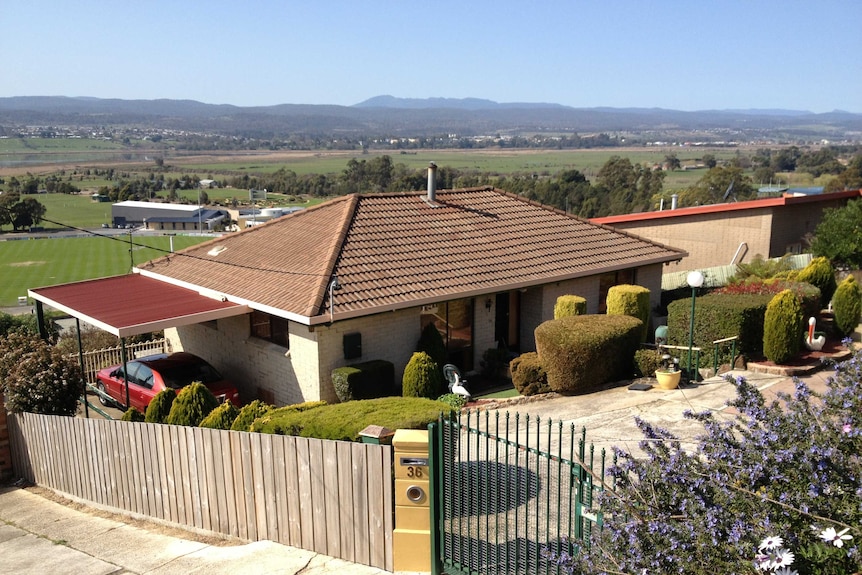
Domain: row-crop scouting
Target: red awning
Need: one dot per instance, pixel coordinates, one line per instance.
(133, 304)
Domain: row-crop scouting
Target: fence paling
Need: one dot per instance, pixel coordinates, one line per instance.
(234, 483)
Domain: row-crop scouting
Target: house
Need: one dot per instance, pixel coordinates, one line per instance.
(280, 305)
(726, 234)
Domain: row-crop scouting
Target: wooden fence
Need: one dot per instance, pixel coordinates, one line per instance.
(331, 497)
(100, 358)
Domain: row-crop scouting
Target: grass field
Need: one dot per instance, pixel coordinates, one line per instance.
(26, 264)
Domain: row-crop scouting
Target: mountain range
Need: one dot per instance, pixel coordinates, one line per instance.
(389, 116)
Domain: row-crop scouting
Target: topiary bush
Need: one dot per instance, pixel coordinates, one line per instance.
(193, 403)
(132, 414)
(422, 377)
(222, 417)
(781, 327)
(344, 421)
(367, 380)
(718, 316)
(569, 305)
(160, 406)
(431, 342)
(647, 361)
(248, 413)
(820, 273)
(35, 377)
(528, 375)
(582, 352)
(631, 300)
(847, 305)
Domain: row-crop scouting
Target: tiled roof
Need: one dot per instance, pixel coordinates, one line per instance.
(391, 251)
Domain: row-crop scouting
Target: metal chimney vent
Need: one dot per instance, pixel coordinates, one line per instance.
(432, 182)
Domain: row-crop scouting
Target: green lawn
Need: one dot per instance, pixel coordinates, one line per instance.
(26, 264)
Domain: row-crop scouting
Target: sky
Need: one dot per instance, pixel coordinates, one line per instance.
(682, 55)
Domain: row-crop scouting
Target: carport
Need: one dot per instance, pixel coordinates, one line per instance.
(130, 305)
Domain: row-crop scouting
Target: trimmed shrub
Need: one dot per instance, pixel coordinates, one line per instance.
(630, 300)
(453, 400)
(160, 406)
(528, 375)
(193, 403)
(249, 413)
(820, 273)
(431, 342)
(647, 361)
(847, 305)
(367, 380)
(781, 334)
(718, 316)
(344, 421)
(422, 377)
(222, 417)
(132, 414)
(582, 352)
(569, 305)
(36, 377)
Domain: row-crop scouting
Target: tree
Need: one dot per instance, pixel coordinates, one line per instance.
(709, 160)
(27, 213)
(672, 162)
(839, 235)
(715, 184)
(35, 377)
(629, 187)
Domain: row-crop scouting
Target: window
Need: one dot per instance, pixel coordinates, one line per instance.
(454, 321)
(609, 280)
(270, 328)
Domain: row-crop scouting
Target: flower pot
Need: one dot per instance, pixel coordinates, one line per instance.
(668, 379)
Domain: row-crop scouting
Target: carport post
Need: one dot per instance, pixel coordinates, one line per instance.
(125, 369)
(40, 321)
(83, 374)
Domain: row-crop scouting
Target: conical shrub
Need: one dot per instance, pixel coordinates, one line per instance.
(222, 417)
(847, 305)
(782, 336)
(160, 406)
(193, 403)
(422, 377)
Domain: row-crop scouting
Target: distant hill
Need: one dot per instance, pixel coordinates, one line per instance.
(388, 116)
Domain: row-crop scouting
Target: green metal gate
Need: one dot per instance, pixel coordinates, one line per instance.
(507, 490)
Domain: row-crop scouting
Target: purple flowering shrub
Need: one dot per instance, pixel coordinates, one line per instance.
(790, 471)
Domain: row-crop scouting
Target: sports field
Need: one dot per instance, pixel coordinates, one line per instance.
(29, 263)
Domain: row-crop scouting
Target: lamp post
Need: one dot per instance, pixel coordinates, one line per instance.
(694, 280)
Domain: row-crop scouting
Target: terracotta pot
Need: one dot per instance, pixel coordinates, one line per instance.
(668, 379)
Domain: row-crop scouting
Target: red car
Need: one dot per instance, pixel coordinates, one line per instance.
(149, 375)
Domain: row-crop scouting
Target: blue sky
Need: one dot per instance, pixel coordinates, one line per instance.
(685, 55)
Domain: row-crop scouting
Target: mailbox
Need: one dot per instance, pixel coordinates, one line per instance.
(412, 503)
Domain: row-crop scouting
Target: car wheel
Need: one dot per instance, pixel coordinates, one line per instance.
(103, 398)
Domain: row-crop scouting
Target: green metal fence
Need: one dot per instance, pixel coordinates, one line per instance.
(508, 490)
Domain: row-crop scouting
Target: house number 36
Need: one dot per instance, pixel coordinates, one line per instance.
(414, 471)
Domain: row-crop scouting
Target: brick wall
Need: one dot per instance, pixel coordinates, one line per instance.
(5, 449)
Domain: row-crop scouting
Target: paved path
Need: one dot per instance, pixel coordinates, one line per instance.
(39, 535)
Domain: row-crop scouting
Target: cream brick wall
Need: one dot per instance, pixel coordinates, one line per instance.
(267, 371)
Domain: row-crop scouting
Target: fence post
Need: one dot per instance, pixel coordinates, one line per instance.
(5, 447)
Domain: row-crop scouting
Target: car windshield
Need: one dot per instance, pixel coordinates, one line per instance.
(179, 376)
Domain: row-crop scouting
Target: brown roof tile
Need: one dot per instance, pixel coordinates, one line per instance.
(397, 250)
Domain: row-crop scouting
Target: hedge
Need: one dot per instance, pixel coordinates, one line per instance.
(367, 380)
(631, 300)
(582, 352)
(569, 305)
(344, 421)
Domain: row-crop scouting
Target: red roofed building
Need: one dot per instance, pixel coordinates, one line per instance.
(358, 277)
(725, 234)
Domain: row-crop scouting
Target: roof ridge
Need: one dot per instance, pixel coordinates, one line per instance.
(337, 246)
